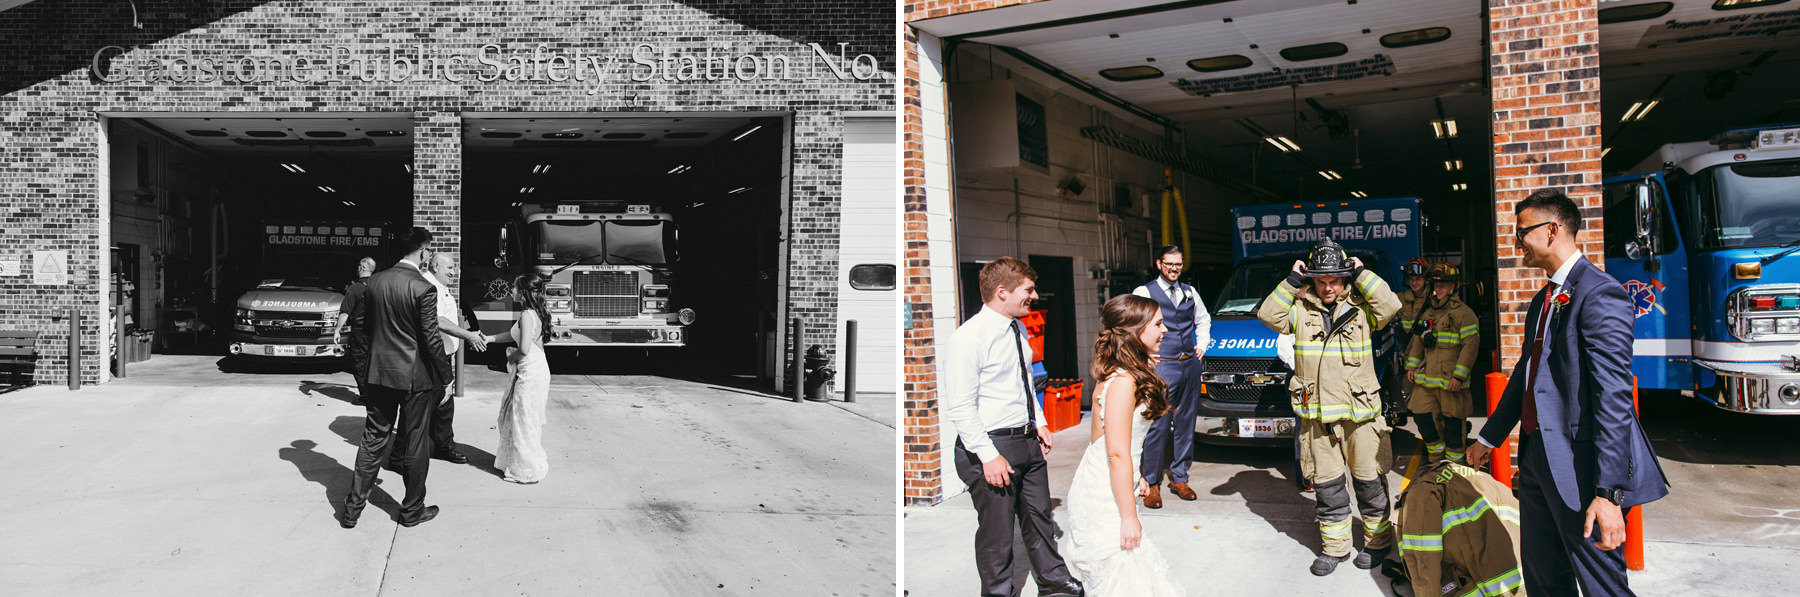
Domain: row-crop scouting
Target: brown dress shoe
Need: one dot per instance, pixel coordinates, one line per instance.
(1154, 499)
(1182, 491)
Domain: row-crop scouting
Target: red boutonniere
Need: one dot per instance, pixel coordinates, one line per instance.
(1560, 301)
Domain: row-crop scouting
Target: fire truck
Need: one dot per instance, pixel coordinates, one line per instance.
(609, 266)
(1703, 235)
(293, 309)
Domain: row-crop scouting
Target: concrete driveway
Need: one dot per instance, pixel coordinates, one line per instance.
(188, 480)
(1731, 525)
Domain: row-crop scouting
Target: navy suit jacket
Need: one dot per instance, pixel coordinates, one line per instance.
(1589, 433)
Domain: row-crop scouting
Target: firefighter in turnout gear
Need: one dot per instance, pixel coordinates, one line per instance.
(1336, 396)
(1412, 303)
(1438, 363)
(1459, 533)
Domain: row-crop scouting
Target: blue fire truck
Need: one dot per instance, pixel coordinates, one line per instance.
(1246, 380)
(1703, 236)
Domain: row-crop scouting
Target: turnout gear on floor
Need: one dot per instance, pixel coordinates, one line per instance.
(1445, 352)
(1343, 440)
(1459, 533)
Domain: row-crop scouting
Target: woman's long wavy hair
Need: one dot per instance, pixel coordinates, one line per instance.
(531, 286)
(1122, 319)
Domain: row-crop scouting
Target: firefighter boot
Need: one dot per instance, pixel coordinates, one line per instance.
(1333, 510)
(1428, 434)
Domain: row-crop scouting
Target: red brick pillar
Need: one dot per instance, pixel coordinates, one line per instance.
(1545, 76)
(921, 461)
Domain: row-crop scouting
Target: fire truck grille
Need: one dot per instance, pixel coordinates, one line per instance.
(1243, 365)
(606, 284)
(1238, 393)
(606, 306)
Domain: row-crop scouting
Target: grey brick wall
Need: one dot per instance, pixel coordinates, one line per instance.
(50, 134)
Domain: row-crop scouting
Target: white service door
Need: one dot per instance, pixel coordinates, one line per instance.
(869, 236)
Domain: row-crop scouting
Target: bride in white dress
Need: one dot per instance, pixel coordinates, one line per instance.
(1106, 546)
(521, 453)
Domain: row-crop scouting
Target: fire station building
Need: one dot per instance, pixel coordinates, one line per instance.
(1081, 135)
(147, 149)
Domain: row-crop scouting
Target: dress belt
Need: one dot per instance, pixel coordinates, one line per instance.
(1025, 430)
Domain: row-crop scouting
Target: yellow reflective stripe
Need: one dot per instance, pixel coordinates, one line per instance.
(1412, 362)
(1335, 528)
(1368, 284)
(1327, 413)
(1462, 372)
(1283, 296)
(1431, 382)
(1374, 529)
(1502, 584)
(1470, 331)
(1421, 542)
(1435, 447)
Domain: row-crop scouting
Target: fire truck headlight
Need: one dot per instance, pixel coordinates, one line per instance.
(1787, 325)
(1759, 327)
(246, 314)
(558, 304)
(237, 348)
(686, 317)
(675, 335)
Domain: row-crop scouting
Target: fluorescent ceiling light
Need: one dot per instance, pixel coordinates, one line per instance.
(747, 133)
(408, 168)
(1330, 175)
(1604, 150)
(540, 169)
(1284, 144)
(1459, 187)
(1444, 129)
(1359, 194)
(328, 189)
(527, 190)
(1452, 165)
(738, 190)
(678, 169)
(1640, 109)
(294, 168)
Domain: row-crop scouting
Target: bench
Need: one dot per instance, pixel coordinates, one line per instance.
(18, 353)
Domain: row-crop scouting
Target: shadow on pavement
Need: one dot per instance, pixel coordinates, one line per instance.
(334, 390)
(481, 459)
(243, 365)
(1274, 499)
(1686, 429)
(333, 476)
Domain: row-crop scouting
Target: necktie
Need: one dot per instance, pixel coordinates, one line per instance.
(1175, 294)
(1025, 376)
(1528, 422)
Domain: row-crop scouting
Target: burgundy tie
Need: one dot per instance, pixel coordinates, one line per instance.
(1528, 423)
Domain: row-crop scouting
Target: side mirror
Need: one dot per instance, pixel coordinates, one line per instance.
(501, 261)
(1646, 204)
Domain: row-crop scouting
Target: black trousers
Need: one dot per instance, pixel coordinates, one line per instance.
(1025, 500)
(442, 436)
(397, 420)
(1554, 554)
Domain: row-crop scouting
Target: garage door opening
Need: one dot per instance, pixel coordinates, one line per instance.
(236, 236)
(661, 235)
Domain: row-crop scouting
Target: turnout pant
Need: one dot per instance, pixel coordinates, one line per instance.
(397, 420)
(1025, 500)
(1442, 415)
(1554, 555)
(1169, 442)
(1344, 458)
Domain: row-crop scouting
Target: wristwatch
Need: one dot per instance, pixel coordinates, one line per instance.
(1612, 495)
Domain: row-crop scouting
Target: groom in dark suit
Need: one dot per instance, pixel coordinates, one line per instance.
(407, 371)
(1583, 458)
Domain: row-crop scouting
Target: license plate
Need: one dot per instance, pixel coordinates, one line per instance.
(281, 351)
(1257, 427)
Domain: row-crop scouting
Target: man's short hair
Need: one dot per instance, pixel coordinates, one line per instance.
(367, 263)
(1004, 271)
(414, 240)
(438, 257)
(1561, 208)
(1166, 250)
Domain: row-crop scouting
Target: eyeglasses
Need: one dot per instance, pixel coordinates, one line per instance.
(1520, 235)
(1169, 264)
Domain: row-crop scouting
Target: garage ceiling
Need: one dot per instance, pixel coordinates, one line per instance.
(659, 132)
(289, 135)
(1382, 98)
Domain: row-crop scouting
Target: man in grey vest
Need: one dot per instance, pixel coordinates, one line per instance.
(1169, 443)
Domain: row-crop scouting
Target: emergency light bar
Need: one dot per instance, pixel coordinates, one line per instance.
(1776, 139)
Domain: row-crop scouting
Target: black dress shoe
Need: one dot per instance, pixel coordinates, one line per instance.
(451, 455)
(428, 513)
(1073, 589)
(347, 520)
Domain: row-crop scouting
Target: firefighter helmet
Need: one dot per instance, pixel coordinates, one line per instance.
(1444, 272)
(1326, 259)
(1415, 267)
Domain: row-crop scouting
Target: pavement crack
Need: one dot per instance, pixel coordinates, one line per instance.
(387, 562)
(877, 421)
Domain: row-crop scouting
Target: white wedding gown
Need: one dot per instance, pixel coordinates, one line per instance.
(521, 454)
(1091, 546)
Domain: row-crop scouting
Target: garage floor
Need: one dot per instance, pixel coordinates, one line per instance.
(186, 480)
(1251, 533)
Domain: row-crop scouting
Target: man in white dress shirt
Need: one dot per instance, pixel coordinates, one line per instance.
(1169, 443)
(439, 269)
(1001, 434)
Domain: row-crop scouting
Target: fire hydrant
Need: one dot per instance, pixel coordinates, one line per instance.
(818, 372)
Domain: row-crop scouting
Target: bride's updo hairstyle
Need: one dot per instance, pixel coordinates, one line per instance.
(1122, 320)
